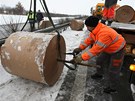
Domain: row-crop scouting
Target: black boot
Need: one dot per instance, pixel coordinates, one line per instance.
(103, 21)
(109, 23)
(96, 76)
(109, 90)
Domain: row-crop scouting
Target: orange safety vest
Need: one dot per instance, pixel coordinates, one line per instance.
(104, 39)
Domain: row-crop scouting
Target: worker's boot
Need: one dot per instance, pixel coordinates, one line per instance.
(103, 21)
(96, 76)
(109, 90)
(109, 23)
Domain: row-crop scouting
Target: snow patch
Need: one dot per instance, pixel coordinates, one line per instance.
(8, 70)
(19, 48)
(11, 41)
(7, 55)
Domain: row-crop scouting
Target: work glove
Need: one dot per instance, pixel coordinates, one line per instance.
(77, 59)
(76, 51)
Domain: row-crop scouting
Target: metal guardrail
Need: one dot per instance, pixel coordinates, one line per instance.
(49, 29)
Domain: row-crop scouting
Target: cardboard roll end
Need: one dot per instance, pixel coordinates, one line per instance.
(124, 14)
(53, 68)
(77, 25)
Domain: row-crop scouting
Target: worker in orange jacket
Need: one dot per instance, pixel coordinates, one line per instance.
(108, 12)
(108, 45)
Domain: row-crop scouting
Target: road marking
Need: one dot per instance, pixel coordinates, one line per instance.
(78, 90)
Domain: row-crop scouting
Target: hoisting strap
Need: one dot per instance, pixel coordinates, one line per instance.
(49, 16)
(42, 5)
(58, 34)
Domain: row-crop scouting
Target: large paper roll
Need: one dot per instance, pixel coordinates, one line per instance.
(34, 56)
(124, 14)
(77, 25)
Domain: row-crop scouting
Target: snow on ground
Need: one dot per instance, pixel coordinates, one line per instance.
(13, 88)
(7, 19)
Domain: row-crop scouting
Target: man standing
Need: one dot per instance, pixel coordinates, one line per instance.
(108, 45)
(108, 12)
(39, 17)
(31, 20)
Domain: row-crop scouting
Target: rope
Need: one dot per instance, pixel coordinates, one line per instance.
(49, 16)
(42, 6)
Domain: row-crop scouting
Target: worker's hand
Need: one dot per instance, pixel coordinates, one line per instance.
(76, 51)
(77, 59)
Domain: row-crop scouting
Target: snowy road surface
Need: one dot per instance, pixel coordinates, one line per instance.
(74, 85)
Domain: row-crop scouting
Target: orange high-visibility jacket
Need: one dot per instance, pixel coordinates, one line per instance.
(104, 39)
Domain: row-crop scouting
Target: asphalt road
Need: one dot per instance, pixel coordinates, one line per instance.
(78, 86)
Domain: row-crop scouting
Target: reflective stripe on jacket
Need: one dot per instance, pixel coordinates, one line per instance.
(104, 39)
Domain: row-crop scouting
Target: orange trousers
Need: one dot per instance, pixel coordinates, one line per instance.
(108, 13)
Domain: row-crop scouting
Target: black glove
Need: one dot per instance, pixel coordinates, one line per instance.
(77, 59)
(76, 51)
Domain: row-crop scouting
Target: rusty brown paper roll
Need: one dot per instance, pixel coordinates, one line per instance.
(134, 16)
(76, 25)
(124, 14)
(44, 24)
(128, 48)
(133, 51)
(34, 56)
(133, 20)
(130, 38)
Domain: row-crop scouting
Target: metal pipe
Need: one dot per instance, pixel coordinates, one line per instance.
(83, 64)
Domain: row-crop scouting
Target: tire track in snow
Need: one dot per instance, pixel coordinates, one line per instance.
(78, 90)
(6, 83)
(66, 87)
